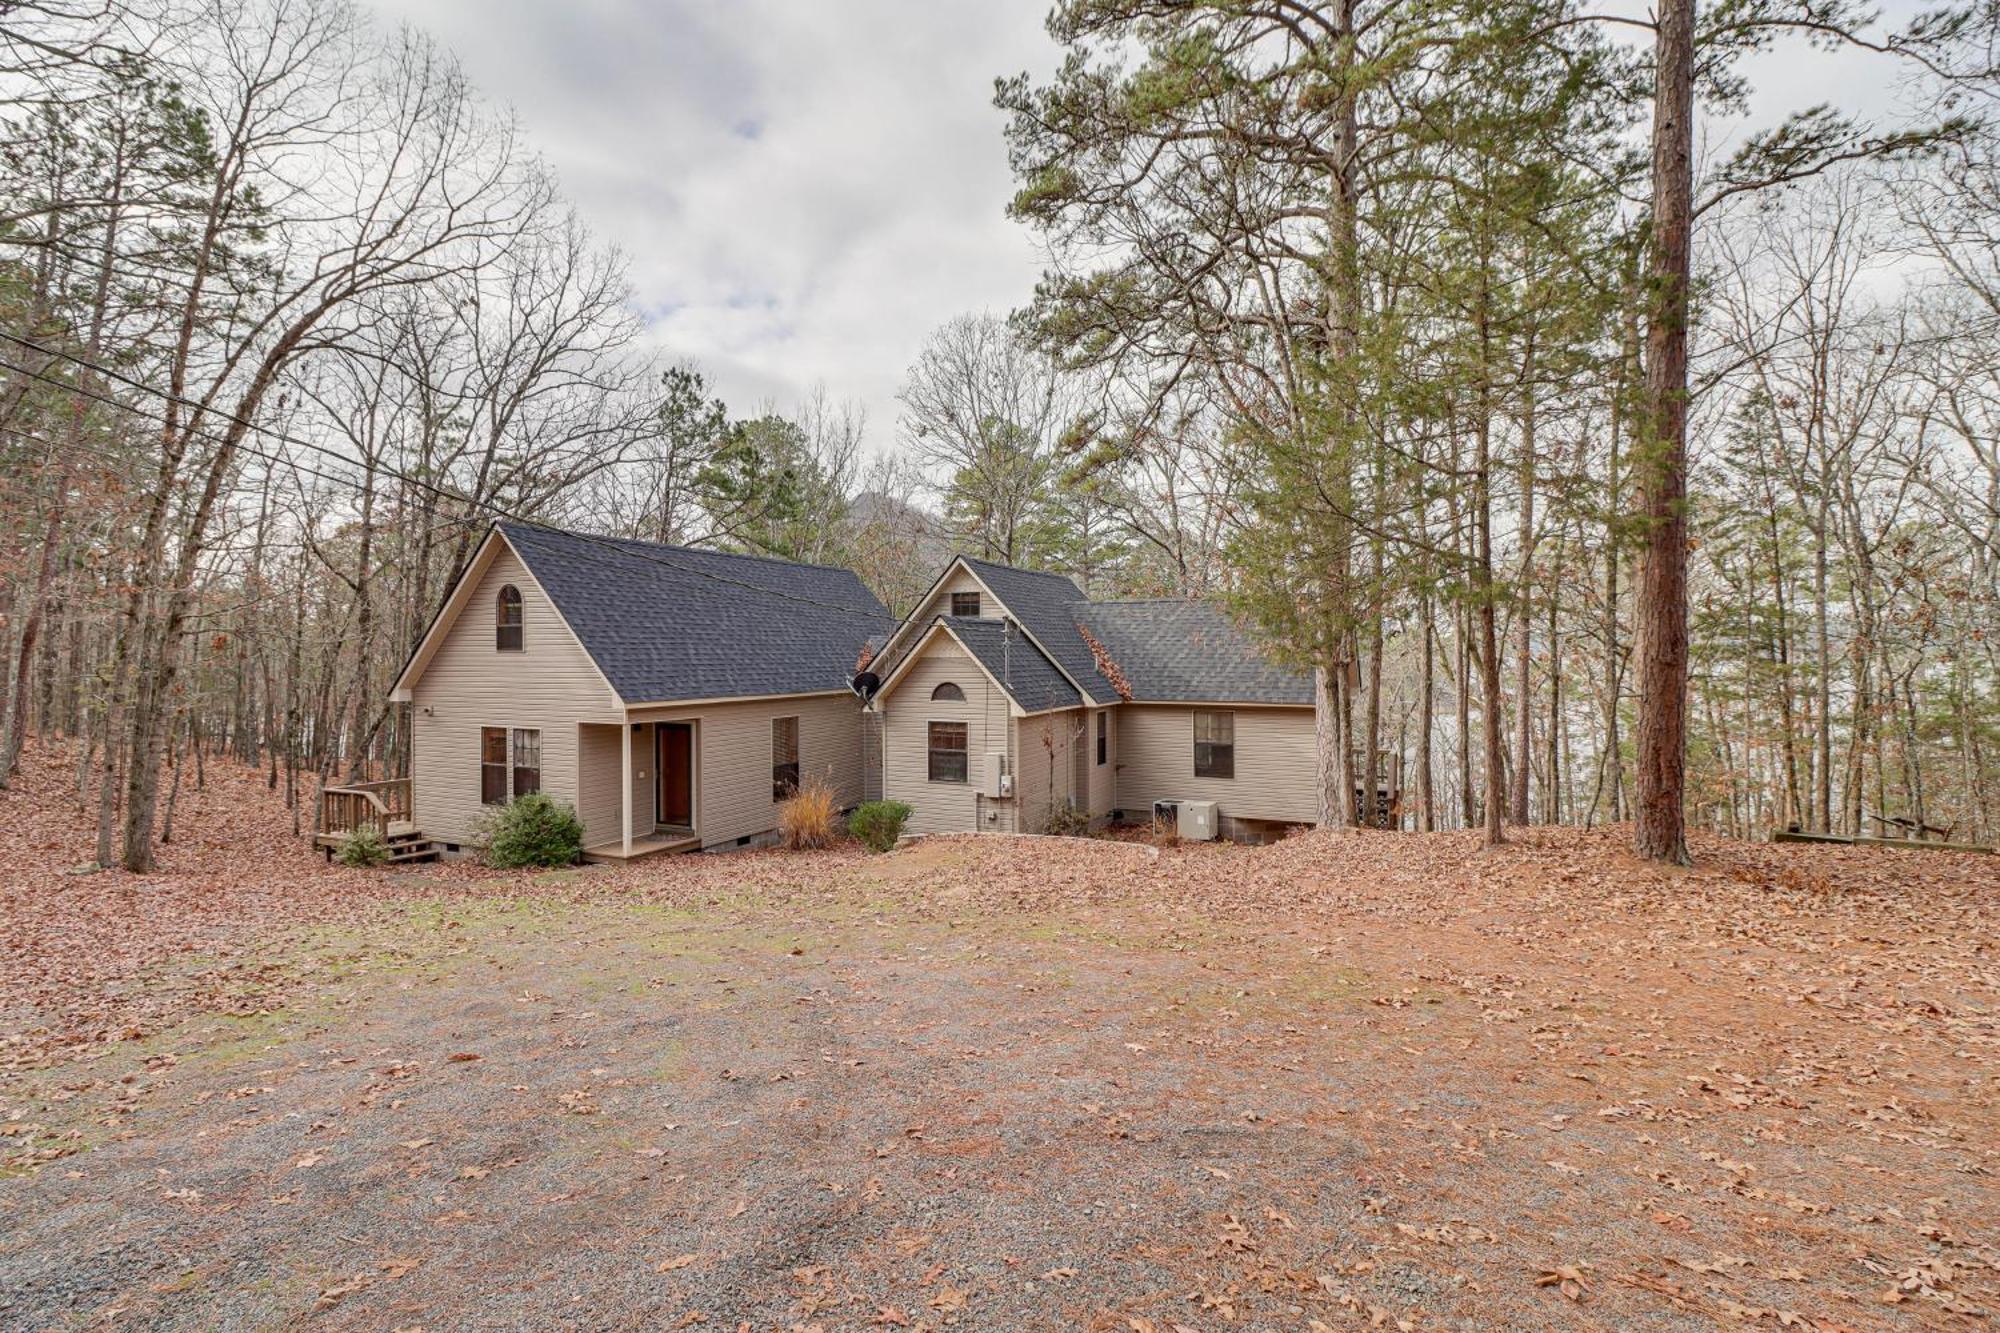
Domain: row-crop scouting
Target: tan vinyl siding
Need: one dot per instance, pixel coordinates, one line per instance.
(599, 763)
(1274, 762)
(938, 604)
(732, 741)
(550, 685)
(907, 712)
(1103, 780)
(1046, 775)
(871, 756)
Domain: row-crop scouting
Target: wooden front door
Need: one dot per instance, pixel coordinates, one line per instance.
(676, 770)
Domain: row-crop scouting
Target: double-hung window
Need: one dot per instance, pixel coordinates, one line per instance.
(509, 764)
(493, 765)
(1214, 745)
(947, 752)
(784, 757)
(527, 761)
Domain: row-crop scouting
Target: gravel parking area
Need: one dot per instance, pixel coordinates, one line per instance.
(1345, 1082)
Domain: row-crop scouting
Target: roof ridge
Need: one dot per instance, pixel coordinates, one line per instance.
(670, 546)
(1017, 569)
(1150, 601)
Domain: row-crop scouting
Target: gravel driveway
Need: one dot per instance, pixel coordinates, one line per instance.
(908, 1098)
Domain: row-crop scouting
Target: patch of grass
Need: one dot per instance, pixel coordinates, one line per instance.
(227, 1040)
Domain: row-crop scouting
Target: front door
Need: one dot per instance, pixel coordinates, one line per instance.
(676, 770)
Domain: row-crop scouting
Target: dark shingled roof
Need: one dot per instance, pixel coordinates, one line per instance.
(1045, 605)
(668, 623)
(1011, 659)
(1173, 650)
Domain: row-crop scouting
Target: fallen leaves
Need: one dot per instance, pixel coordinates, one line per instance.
(1761, 1085)
(1566, 1278)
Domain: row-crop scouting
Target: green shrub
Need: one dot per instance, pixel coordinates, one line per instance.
(878, 823)
(362, 847)
(534, 830)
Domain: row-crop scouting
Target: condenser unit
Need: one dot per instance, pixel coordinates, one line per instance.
(1199, 821)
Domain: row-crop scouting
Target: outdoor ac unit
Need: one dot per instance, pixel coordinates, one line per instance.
(1198, 821)
(999, 782)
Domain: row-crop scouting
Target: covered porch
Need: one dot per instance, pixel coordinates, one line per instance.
(639, 783)
(651, 844)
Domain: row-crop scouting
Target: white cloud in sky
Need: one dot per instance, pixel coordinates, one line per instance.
(805, 188)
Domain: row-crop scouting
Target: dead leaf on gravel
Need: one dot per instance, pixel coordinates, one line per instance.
(1568, 1278)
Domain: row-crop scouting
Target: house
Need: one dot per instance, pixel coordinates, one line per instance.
(673, 696)
(1007, 701)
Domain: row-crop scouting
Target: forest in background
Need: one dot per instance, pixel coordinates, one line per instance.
(1359, 315)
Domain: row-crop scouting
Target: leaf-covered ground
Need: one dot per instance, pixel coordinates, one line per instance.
(1370, 1079)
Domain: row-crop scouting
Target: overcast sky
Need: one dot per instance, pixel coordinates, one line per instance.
(806, 188)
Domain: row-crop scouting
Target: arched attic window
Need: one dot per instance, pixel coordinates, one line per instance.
(507, 620)
(948, 693)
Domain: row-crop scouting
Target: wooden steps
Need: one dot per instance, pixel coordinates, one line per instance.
(406, 845)
(411, 846)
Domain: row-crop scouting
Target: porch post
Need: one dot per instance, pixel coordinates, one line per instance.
(625, 753)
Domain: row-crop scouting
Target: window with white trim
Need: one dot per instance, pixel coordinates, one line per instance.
(947, 752)
(507, 620)
(510, 763)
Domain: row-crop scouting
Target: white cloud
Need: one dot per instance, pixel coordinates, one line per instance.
(804, 190)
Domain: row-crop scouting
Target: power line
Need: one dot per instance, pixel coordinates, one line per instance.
(650, 551)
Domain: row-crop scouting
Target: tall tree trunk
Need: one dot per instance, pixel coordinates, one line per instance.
(31, 629)
(1427, 813)
(1489, 639)
(1524, 638)
(1661, 471)
(1823, 736)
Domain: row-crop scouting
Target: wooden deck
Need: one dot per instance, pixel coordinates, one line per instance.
(383, 806)
(652, 844)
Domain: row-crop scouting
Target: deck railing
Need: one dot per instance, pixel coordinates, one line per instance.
(374, 805)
